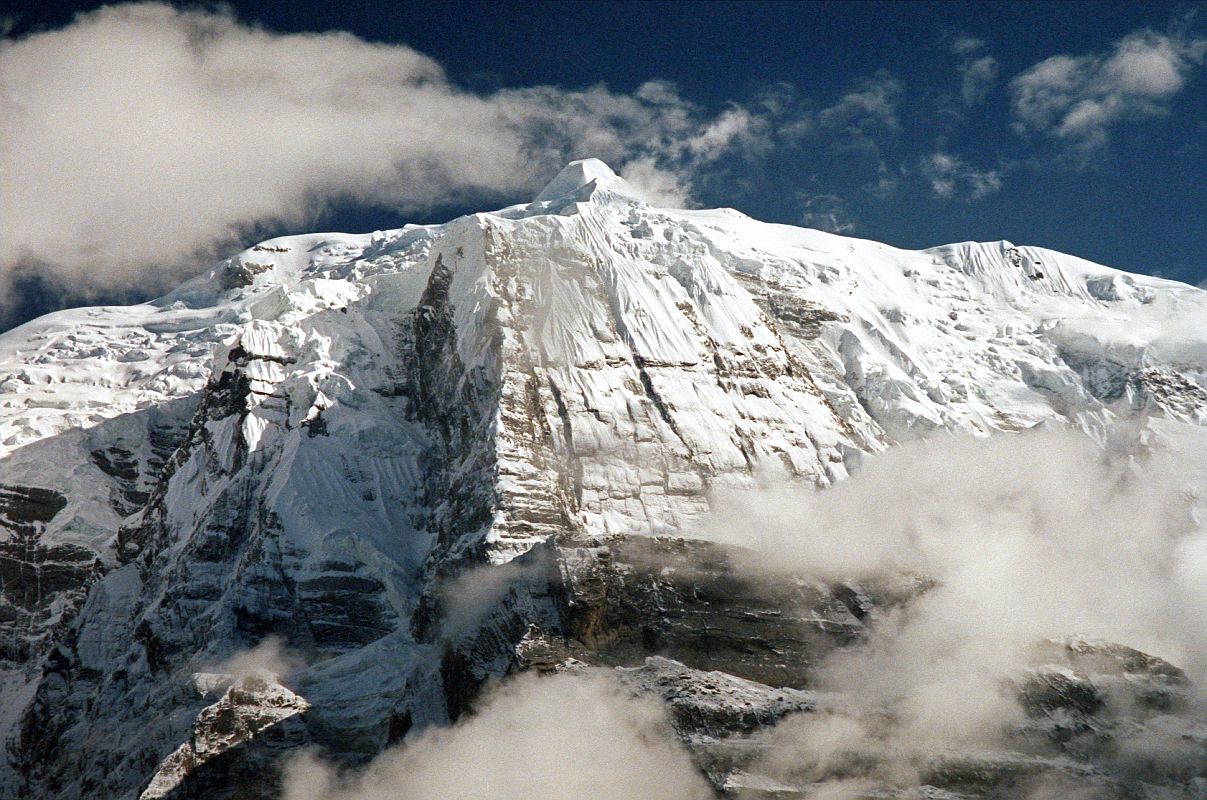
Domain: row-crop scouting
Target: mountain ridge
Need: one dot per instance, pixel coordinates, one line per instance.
(320, 436)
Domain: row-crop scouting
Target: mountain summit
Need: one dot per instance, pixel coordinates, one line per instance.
(576, 176)
(317, 440)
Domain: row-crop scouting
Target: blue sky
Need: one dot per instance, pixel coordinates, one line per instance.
(1077, 126)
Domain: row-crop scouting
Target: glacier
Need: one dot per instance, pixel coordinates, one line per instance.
(320, 436)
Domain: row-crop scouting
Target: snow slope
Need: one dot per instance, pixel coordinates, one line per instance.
(307, 440)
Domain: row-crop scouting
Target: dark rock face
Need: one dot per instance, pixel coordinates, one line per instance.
(238, 274)
(617, 601)
(29, 571)
(136, 460)
(24, 508)
(714, 704)
(1085, 698)
(630, 597)
(53, 548)
(183, 581)
(730, 650)
(715, 714)
(32, 574)
(456, 405)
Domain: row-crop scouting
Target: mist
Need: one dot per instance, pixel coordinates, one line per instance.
(568, 735)
(269, 657)
(1027, 538)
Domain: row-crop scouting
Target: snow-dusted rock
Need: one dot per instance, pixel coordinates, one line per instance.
(255, 711)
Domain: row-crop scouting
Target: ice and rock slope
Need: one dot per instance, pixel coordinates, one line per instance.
(313, 439)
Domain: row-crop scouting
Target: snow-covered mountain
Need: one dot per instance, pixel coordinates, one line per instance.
(318, 438)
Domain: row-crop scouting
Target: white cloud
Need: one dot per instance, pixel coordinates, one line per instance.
(1078, 99)
(141, 135)
(566, 736)
(659, 186)
(721, 133)
(268, 656)
(873, 105)
(951, 177)
(886, 182)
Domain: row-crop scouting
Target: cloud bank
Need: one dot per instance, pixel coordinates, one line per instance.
(142, 136)
(1028, 537)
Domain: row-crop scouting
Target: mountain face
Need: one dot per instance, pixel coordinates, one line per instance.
(327, 438)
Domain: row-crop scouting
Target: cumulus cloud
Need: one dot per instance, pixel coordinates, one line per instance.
(1027, 537)
(140, 136)
(951, 177)
(1078, 99)
(566, 736)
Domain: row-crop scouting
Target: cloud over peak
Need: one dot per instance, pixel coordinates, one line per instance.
(140, 136)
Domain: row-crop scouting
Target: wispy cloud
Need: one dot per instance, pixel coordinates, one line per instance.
(977, 77)
(732, 125)
(977, 69)
(827, 212)
(950, 177)
(967, 45)
(872, 105)
(886, 182)
(1079, 99)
